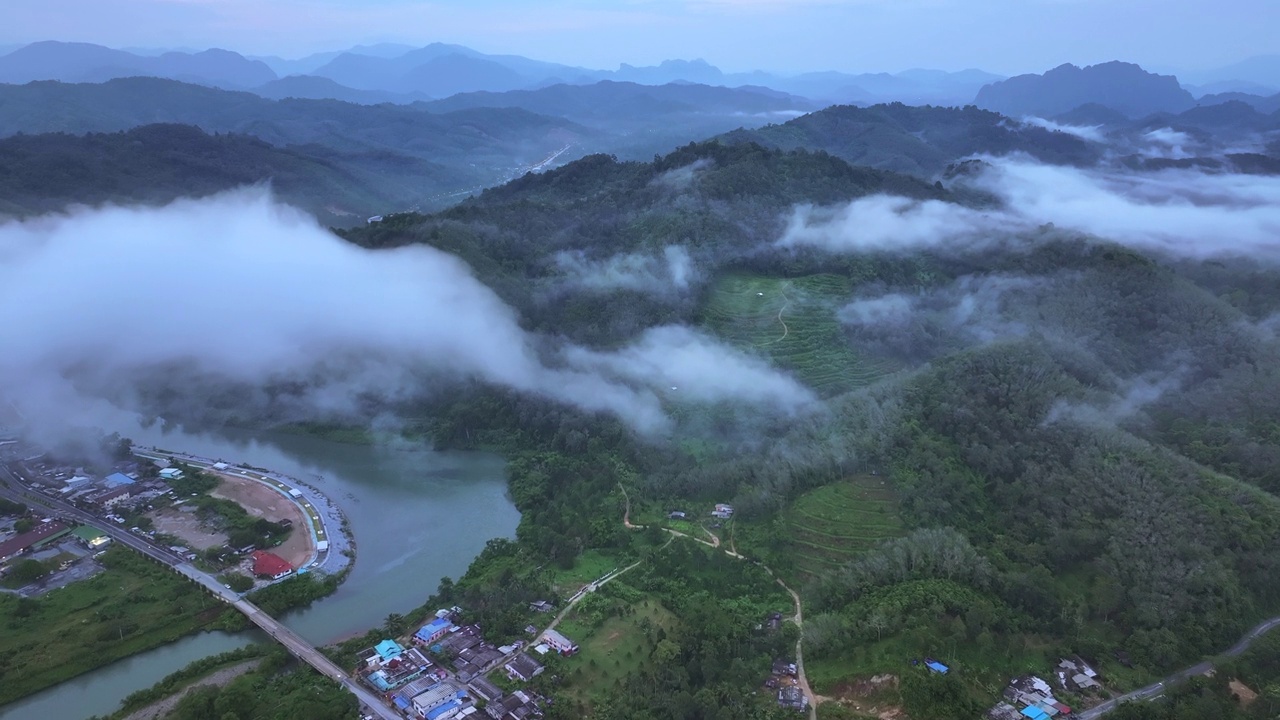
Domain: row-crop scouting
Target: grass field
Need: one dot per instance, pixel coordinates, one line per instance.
(133, 606)
(831, 525)
(619, 647)
(588, 566)
(793, 321)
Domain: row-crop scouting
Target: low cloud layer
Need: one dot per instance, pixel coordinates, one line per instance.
(919, 326)
(236, 289)
(1092, 133)
(672, 269)
(1184, 213)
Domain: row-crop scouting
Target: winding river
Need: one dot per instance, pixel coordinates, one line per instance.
(417, 516)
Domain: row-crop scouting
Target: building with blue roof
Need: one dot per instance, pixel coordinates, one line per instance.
(433, 631)
(115, 480)
(388, 650)
(448, 707)
(937, 667)
(1034, 713)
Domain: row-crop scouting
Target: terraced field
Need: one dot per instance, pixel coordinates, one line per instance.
(793, 322)
(831, 525)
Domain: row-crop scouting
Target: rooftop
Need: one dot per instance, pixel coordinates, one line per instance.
(37, 535)
(265, 563)
(88, 534)
(118, 479)
(388, 649)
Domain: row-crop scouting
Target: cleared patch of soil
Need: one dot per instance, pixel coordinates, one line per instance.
(1242, 692)
(261, 501)
(186, 526)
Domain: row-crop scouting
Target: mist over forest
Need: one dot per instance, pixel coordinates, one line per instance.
(1037, 337)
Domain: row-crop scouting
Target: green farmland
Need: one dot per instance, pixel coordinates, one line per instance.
(829, 526)
(793, 322)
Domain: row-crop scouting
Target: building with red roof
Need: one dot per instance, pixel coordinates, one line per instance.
(270, 565)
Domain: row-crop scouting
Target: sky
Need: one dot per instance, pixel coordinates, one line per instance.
(1002, 36)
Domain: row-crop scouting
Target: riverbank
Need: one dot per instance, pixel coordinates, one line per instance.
(330, 545)
(218, 678)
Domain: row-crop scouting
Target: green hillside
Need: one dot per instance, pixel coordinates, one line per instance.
(831, 525)
(793, 322)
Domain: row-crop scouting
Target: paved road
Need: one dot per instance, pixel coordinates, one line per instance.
(1155, 690)
(11, 488)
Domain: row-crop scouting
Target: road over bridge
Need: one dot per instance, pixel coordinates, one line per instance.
(14, 489)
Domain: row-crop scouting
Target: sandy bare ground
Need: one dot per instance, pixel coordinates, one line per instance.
(1242, 692)
(163, 707)
(261, 501)
(186, 526)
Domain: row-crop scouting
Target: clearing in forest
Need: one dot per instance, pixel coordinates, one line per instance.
(619, 647)
(831, 525)
(793, 322)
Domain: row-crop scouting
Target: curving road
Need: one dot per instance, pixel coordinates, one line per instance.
(1157, 689)
(798, 618)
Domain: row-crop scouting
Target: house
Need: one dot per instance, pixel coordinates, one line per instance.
(516, 706)
(792, 697)
(541, 606)
(389, 650)
(1031, 712)
(432, 631)
(559, 643)
(523, 668)
(41, 534)
(676, 515)
(394, 673)
(220, 465)
(782, 667)
(485, 689)
(374, 219)
(171, 474)
(115, 480)
(270, 565)
(438, 700)
(93, 538)
(110, 498)
(937, 667)
(723, 511)
(1003, 711)
(403, 698)
(1084, 682)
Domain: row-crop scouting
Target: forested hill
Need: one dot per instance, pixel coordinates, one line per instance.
(721, 204)
(918, 140)
(1069, 447)
(159, 163)
(610, 102)
(487, 137)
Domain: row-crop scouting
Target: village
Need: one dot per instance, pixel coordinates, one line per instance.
(444, 669)
(249, 528)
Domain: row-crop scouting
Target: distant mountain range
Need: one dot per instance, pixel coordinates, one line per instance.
(920, 141)
(403, 74)
(83, 62)
(400, 73)
(1124, 87)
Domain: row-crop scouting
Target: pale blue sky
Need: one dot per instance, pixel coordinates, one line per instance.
(1005, 36)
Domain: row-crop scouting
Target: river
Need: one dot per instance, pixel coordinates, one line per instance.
(417, 516)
